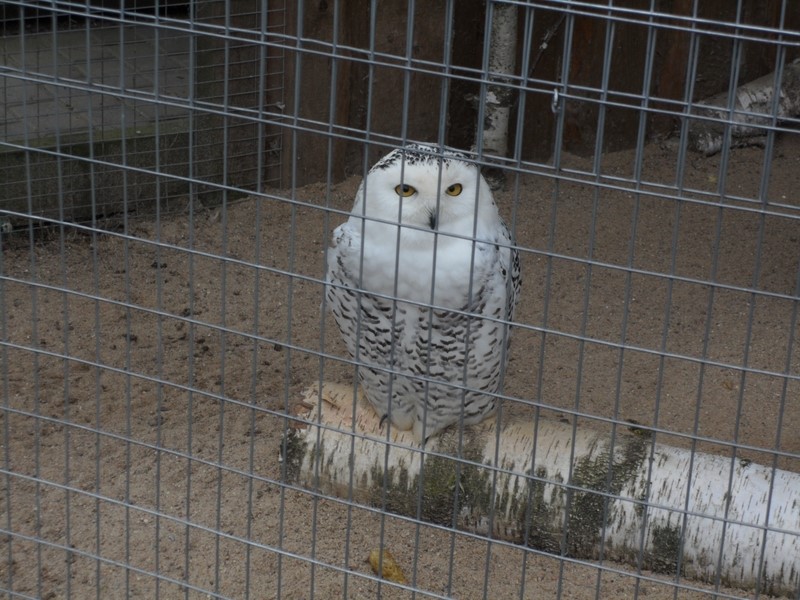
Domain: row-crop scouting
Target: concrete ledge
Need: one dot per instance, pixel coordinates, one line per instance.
(77, 180)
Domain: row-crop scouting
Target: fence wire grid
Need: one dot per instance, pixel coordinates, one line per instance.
(172, 175)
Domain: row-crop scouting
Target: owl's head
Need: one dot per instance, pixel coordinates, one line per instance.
(427, 190)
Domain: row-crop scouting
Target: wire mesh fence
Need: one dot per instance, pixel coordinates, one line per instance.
(181, 416)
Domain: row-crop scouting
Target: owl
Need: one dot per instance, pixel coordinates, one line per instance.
(422, 281)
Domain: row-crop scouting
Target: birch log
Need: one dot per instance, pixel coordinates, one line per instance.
(752, 110)
(634, 502)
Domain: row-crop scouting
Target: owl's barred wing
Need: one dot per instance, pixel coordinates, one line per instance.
(420, 154)
(370, 326)
(427, 368)
(339, 291)
(513, 276)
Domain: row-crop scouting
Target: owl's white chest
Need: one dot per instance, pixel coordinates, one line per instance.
(409, 263)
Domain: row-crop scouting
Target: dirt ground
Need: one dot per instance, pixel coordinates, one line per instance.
(147, 371)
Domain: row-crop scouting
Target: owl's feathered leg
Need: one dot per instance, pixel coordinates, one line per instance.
(424, 427)
(400, 419)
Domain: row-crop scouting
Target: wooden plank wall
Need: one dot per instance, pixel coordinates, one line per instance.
(340, 92)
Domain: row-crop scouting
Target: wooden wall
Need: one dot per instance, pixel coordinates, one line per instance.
(340, 92)
(339, 79)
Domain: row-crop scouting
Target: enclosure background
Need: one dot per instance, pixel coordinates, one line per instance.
(171, 176)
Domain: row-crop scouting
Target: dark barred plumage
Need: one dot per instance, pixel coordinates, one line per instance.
(418, 154)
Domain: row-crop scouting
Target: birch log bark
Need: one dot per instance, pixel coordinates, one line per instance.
(582, 495)
(752, 112)
(498, 99)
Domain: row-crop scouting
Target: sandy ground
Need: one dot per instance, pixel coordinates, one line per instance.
(143, 408)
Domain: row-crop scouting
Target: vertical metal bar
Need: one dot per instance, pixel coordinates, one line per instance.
(228, 40)
(159, 281)
(511, 14)
(407, 58)
(582, 337)
(34, 312)
(192, 328)
(780, 61)
(691, 77)
(526, 72)
(6, 406)
(121, 49)
(607, 61)
(647, 77)
(736, 59)
(478, 148)
(444, 99)
(97, 371)
(569, 29)
(691, 67)
(57, 90)
(326, 228)
(371, 50)
(298, 76)
(332, 108)
(128, 313)
(254, 362)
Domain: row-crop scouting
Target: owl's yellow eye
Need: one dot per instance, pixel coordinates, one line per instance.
(405, 190)
(454, 190)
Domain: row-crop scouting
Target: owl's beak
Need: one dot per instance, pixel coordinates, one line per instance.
(433, 220)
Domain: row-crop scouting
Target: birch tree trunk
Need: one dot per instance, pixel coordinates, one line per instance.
(752, 110)
(635, 502)
(498, 99)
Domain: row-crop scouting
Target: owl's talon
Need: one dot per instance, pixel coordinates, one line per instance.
(383, 419)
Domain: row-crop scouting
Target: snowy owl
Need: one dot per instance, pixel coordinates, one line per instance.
(422, 281)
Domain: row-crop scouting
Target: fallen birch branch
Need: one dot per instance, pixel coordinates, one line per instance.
(752, 112)
(598, 503)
